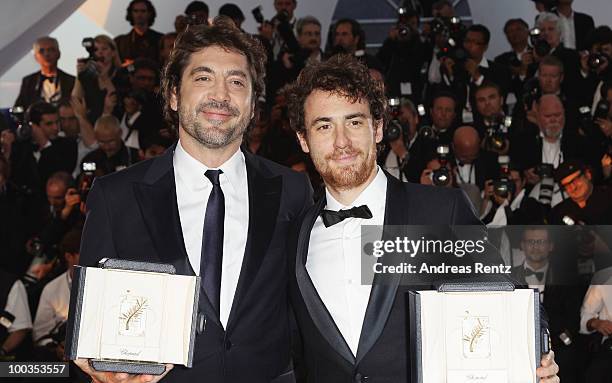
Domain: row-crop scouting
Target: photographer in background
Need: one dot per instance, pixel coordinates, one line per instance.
(543, 269)
(50, 84)
(595, 67)
(141, 41)
(398, 139)
(465, 76)
(112, 154)
(439, 170)
(52, 311)
(290, 63)
(491, 123)
(519, 61)
(576, 27)
(16, 318)
(76, 127)
(548, 42)
(403, 56)
(596, 318)
(100, 80)
(587, 203)
(502, 202)
(349, 38)
(39, 151)
(543, 151)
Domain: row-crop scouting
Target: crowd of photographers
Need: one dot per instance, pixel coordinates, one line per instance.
(527, 136)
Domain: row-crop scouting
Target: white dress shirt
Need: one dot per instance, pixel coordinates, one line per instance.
(52, 308)
(568, 30)
(466, 173)
(597, 301)
(192, 191)
(17, 304)
(334, 261)
(551, 152)
(433, 74)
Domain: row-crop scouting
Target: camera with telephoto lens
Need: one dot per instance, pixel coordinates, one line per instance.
(588, 119)
(23, 131)
(453, 32)
(395, 128)
(425, 129)
(547, 182)
(545, 170)
(497, 133)
(88, 173)
(441, 176)
(42, 253)
(504, 186)
(583, 234)
(531, 92)
(596, 60)
(258, 15)
(404, 29)
(89, 44)
(549, 5)
(538, 42)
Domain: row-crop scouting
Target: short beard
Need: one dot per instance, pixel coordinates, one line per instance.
(553, 134)
(214, 136)
(347, 177)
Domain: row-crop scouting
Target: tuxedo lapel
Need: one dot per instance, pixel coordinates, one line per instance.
(264, 204)
(156, 196)
(315, 306)
(384, 287)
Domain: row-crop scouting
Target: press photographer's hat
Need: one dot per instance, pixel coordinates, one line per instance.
(569, 167)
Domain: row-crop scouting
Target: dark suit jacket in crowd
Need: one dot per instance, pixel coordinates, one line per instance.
(562, 300)
(382, 352)
(31, 84)
(133, 214)
(583, 26)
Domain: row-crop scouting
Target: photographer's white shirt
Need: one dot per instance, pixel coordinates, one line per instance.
(52, 307)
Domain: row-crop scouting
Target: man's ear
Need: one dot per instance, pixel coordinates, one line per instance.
(173, 100)
(378, 133)
(301, 136)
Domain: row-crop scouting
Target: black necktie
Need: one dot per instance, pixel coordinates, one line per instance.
(212, 241)
(331, 217)
(539, 274)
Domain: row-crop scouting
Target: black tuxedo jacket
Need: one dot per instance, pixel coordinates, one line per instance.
(562, 300)
(528, 153)
(382, 354)
(495, 73)
(583, 26)
(133, 214)
(29, 92)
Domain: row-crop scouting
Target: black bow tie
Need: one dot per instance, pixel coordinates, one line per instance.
(538, 274)
(331, 217)
(43, 78)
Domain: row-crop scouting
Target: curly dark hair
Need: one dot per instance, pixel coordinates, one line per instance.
(342, 75)
(222, 33)
(150, 8)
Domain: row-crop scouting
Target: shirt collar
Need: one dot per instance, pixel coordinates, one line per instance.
(370, 196)
(484, 62)
(191, 171)
(543, 269)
